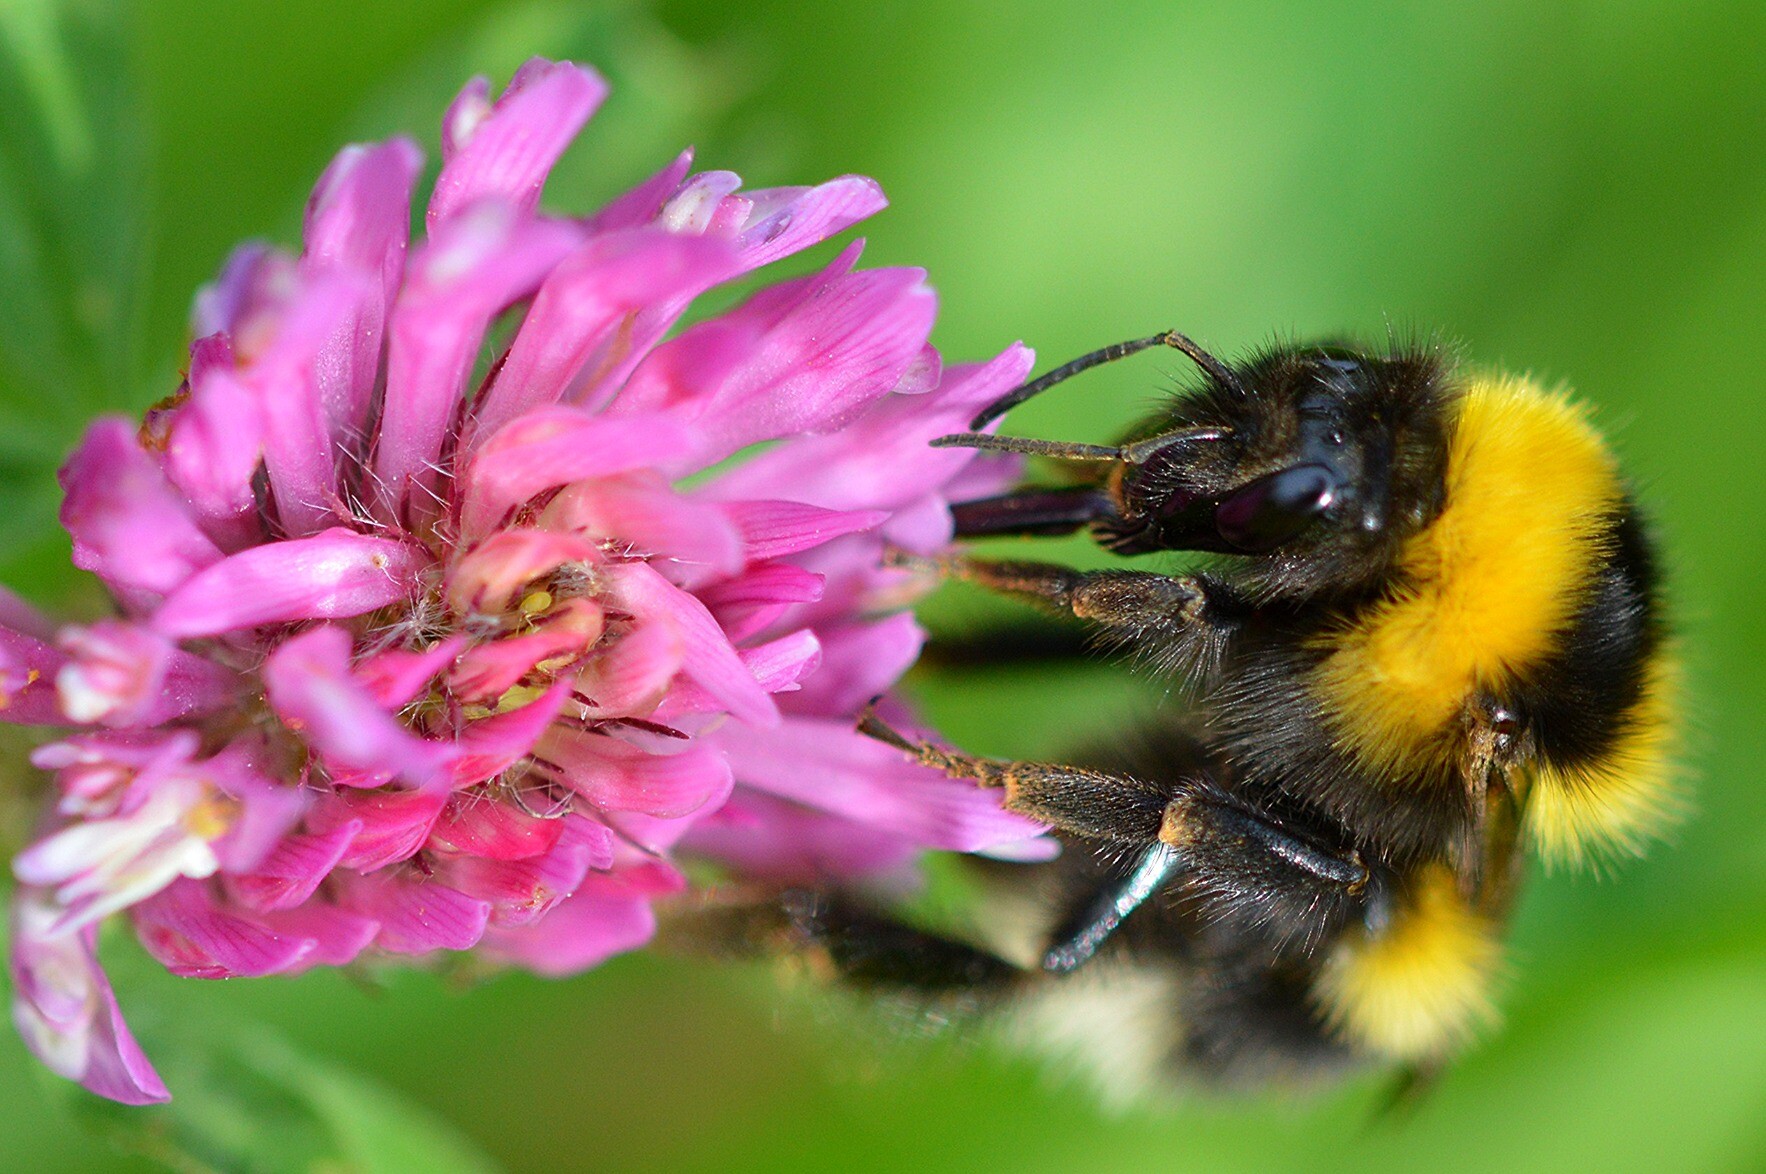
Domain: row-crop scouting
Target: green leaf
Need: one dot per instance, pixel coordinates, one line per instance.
(73, 208)
(73, 163)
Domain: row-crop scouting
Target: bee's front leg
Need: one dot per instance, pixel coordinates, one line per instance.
(1127, 605)
(1187, 624)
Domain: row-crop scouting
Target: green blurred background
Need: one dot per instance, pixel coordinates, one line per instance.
(1578, 190)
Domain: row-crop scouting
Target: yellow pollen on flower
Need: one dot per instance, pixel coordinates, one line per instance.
(6, 697)
(514, 698)
(210, 819)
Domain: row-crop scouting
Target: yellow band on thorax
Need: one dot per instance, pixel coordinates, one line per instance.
(1488, 587)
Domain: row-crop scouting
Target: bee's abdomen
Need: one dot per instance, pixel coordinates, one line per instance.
(1600, 713)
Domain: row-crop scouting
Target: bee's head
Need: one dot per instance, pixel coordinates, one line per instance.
(1316, 457)
(1314, 462)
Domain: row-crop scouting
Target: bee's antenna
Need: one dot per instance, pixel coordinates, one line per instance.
(1059, 449)
(1217, 370)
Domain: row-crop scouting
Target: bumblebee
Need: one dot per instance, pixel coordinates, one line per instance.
(1430, 640)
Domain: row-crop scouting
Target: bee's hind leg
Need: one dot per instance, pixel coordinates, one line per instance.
(1237, 859)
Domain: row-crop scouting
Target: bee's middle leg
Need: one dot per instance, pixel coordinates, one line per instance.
(843, 937)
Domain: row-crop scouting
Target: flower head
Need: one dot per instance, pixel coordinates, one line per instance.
(424, 638)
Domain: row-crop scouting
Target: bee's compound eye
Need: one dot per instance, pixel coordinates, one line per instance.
(1274, 509)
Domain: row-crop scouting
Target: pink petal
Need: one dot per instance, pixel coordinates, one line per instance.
(883, 460)
(94, 769)
(395, 678)
(695, 208)
(67, 1013)
(28, 672)
(359, 221)
(764, 227)
(777, 666)
(771, 839)
(550, 447)
(607, 915)
(289, 874)
(615, 776)
(522, 891)
(415, 916)
(765, 583)
(641, 514)
(214, 446)
(859, 662)
(989, 474)
(708, 657)
(643, 203)
(803, 356)
(285, 377)
(505, 150)
(490, 578)
(328, 576)
(477, 264)
(128, 525)
(255, 279)
(267, 809)
(559, 640)
(191, 936)
(772, 529)
(826, 764)
(335, 936)
(311, 688)
(124, 674)
(782, 221)
(924, 374)
(585, 308)
(393, 825)
(755, 600)
(478, 825)
(23, 618)
(630, 675)
(922, 526)
(703, 205)
(491, 745)
(855, 582)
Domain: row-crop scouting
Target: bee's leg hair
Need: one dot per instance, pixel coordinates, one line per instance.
(1090, 803)
(1236, 859)
(1127, 603)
